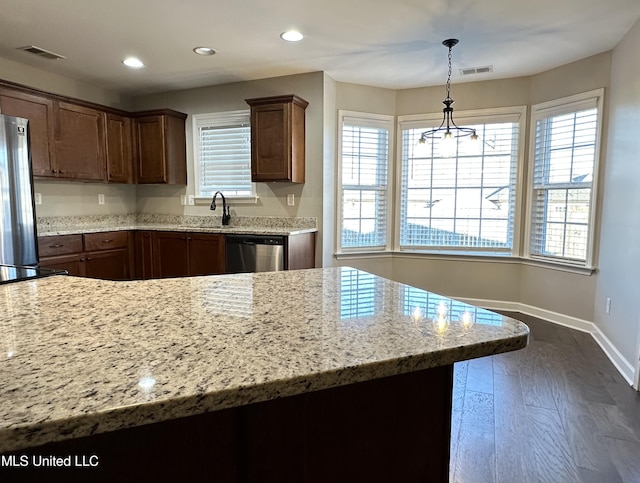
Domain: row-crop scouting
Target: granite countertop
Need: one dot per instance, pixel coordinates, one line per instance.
(231, 230)
(82, 356)
(241, 225)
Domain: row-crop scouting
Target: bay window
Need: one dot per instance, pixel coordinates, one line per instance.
(564, 164)
(463, 200)
(363, 172)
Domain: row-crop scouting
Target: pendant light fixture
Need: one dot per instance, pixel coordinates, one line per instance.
(448, 132)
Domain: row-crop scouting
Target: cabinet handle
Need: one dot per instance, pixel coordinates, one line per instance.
(54, 171)
(82, 259)
(56, 246)
(60, 171)
(107, 241)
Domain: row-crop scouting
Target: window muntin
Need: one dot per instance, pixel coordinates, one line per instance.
(465, 202)
(364, 181)
(565, 159)
(222, 148)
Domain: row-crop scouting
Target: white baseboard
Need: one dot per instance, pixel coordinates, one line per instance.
(624, 367)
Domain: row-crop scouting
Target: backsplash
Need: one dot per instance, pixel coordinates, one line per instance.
(47, 224)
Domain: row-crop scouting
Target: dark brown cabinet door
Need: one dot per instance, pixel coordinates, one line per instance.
(39, 112)
(151, 154)
(301, 251)
(80, 142)
(144, 255)
(161, 148)
(278, 138)
(119, 149)
(206, 254)
(107, 264)
(73, 264)
(171, 254)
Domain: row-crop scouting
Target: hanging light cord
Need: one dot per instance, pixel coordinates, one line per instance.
(447, 121)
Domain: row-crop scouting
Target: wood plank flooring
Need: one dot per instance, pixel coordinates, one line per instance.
(555, 412)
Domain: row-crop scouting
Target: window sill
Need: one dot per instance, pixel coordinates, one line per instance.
(231, 200)
(467, 257)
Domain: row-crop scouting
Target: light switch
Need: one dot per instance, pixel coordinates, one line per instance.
(38, 198)
(101, 199)
(191, 200)
(291, 199)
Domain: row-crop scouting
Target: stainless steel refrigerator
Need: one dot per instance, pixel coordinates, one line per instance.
(18, 243)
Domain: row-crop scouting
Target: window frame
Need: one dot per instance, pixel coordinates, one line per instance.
(375, 120)
(566, 105)
(516, 114)
(218, 118)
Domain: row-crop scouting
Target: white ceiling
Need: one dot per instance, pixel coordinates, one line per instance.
(386, 43)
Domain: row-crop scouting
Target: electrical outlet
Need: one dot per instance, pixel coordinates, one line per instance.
(183, 200)
(192, 200)
(607, 306)
(101, 199)
(291, 199)
(38, 198)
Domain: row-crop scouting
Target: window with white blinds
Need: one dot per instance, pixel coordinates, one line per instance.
(465, 202)
(565, 159)
(364, 180)
(222, 148)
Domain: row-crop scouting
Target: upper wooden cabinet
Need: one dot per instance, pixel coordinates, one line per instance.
(278, 138)
(119, 149)
(80, 142)
(39, 111)
(161, 155)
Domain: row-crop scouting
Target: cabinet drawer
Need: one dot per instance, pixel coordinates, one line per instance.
(106, 240)
(50, 246)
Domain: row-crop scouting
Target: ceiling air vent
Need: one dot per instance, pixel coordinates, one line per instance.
(32, 49)
(476, 70)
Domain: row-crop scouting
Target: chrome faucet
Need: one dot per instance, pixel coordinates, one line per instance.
(226, 216)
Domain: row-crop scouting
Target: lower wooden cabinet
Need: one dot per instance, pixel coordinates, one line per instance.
(206, 254)
(143, 243)
(171, 257)
(180, 254)
(126, 255)
(106, 255)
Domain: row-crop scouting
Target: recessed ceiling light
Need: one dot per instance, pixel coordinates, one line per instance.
(133, 62)
(291, 36)
(204, 51)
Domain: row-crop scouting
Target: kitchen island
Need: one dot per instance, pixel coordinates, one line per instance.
(303, 376)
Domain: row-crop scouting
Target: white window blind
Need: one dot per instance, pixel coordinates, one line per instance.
(222, 146)
(465, 202)
(565, 152)
(364, 161)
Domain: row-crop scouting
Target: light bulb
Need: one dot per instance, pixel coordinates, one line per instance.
(448, 145)
(421, 149)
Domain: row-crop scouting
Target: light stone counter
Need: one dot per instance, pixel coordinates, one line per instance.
(225, 230)
(241, 225)
(83, 356)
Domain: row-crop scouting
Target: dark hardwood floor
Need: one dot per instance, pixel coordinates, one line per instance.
(557, 411)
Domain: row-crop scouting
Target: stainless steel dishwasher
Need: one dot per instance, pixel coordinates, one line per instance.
(254, 253)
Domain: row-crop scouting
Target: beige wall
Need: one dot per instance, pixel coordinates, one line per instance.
(65, 86)
(330, 130)
(61, 198)
(619, 255)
